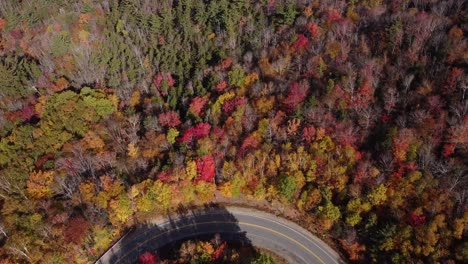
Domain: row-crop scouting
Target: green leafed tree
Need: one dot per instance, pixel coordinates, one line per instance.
(288, 187)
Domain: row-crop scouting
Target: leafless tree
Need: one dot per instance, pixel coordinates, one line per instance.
(3, 230)
(134, 122)
(425, 157)
(459, 111)
(20, 250)
(366, 116)
(105, 160)
(391, 98)
(247, 58)
(401, 121)
(457, 179)
(462, 201)
(87, 70)
(5, 186)
(267, 36)
(86, 163)
(440, 8)
(419, 117)
(407, 82)
(67, 185)
(187, 249)
(118, 135)
(350, 79)
(440, 168)
(251, 117)
(386, 162)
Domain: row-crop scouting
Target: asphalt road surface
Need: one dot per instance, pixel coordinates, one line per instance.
(261, 229)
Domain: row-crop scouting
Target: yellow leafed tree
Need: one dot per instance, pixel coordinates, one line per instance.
(87, 191)
(132, 150)
(40, 184)
(191, 170)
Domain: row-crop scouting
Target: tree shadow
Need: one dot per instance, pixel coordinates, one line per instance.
(187, 223)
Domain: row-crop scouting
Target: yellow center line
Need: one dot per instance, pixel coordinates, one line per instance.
(221, 222)
(287, 237)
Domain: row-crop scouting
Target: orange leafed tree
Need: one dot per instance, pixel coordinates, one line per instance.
(40, 183)
(76, 230)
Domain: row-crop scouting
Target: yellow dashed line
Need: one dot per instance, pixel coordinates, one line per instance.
(286, 236)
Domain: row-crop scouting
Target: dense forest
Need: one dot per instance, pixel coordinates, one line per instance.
(354, 113)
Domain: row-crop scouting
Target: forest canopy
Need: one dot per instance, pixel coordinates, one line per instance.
(352, 113)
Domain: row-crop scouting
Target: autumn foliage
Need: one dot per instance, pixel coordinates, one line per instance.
(169, 119)
(197, 105)
(147, 258)
(76, 230)
(297, 93)
(351, 114)
(205, 169)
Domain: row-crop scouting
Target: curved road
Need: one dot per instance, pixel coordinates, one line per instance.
(262, 229)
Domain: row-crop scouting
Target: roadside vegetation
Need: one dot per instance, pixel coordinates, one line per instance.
(214, 250)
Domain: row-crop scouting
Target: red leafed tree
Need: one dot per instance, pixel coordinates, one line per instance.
(333, 15)
(27, 113)
(364, 96)
(363, 172)
(249, 142)
(196, 107)
(230, 105)
(17, 34)
(24, 114)
(313, 29)
(201, 130)
(169, 119)
(158, 79)
(385, 118)
(205, 169)
(297, 94)
(401, 144)
(40, 162)
(366, 93)
(452, 79)
(164, 176)
(411, 166)
(219, 133)
(416, 220)
(218, 252)
(76, 230)
(402, 168)
(301, 42)
(221, 85)
(147, 258)
(345, 134)
(226, 63)
(187, 137)
(449, 149)
(163, 77)
(399, 171)
(308, 134)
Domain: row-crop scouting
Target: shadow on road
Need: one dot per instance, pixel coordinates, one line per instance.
(200, 223)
